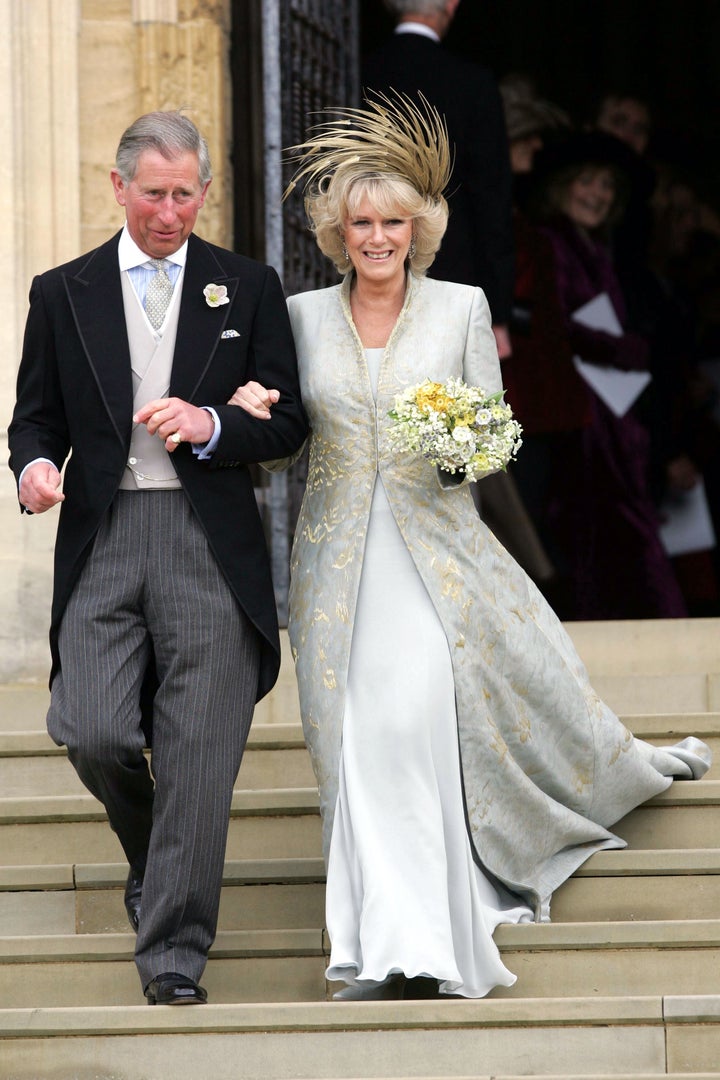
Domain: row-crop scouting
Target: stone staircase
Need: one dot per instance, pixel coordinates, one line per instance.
(625, 982)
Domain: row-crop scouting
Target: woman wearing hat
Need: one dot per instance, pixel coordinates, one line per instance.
(545, 391)
(604, 515)
(465, 766)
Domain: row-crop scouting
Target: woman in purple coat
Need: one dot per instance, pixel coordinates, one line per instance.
(604, 516)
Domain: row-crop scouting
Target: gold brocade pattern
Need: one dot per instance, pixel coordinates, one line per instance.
(547, 767)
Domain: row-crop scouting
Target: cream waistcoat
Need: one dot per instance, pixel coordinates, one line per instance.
(151, 361)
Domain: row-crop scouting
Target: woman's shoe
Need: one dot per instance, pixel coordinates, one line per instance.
(420, 987)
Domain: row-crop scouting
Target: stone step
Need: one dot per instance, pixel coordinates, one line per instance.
(563, 959)
(288, 894)
(81, 970)
(72, 829)
(637, 885)
(24, 705)
(670, 692)
(686, 815)
(605, 958)
(656, 726)
(88, 899)
(276, 756)
(263, 825)
(643, 1037)
(23, 708)
(31, 763)
(664, 729)
(647, 646)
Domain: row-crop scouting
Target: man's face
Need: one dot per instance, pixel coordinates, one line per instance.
(626, 119)
(161, 201)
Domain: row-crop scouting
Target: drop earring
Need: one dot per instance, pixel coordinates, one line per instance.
(412, 249)
(345, 252)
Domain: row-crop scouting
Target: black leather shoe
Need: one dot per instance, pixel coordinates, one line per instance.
(133, 896)
(173, 989)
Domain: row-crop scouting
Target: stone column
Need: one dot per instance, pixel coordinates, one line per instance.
(40, 223)
(73, 75)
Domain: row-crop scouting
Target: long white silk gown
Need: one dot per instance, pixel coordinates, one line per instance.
(403, 891)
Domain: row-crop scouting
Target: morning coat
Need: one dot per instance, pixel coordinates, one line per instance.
(75, 395)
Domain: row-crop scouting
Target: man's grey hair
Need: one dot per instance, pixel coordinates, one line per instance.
(400, 8)
(170, 134)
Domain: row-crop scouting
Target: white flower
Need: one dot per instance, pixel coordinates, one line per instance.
(215, 295)
(462, 435)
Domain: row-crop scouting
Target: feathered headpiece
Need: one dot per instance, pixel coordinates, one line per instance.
(392, 136)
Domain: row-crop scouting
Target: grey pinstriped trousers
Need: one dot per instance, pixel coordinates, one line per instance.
(152, 583)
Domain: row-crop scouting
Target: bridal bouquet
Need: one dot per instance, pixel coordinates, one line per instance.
(455, 426)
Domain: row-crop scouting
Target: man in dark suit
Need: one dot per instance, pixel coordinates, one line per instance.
(163, 606)
(478, 245)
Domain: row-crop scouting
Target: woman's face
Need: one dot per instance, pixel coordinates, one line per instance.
(377, 245)
(589, 197)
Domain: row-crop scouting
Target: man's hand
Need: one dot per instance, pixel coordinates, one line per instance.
(502, 340)
(40, 487)
(174, 421)
(255, 399)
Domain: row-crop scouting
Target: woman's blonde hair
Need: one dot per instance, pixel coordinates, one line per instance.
(392, 196)
(396, 153)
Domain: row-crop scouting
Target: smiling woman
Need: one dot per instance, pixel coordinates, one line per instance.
(589, 198)
(604, 521)
(437, 688)
(376, 245)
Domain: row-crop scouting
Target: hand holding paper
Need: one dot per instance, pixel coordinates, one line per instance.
(618, 389)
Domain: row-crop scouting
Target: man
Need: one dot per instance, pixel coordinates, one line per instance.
(478, 245)
(626, 117)
(163, 606)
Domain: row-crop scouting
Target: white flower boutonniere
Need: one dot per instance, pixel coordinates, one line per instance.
(215, 295)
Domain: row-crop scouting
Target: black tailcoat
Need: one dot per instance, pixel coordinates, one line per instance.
(75, 397)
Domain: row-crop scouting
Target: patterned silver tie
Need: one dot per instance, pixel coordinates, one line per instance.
(159, 294)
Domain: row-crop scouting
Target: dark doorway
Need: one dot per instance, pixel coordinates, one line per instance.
(248, 136)
(575, 50)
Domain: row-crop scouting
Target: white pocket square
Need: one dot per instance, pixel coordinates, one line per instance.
(229, 333)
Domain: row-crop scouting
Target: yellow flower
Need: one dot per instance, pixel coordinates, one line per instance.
(466, 419)
(431, 395)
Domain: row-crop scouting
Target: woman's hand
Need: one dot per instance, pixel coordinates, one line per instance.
(255, 399)
(682, 475)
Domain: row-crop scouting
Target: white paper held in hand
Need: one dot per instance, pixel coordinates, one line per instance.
(618, 389)
(687, 524)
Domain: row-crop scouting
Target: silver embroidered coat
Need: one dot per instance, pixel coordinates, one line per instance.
(546, 765)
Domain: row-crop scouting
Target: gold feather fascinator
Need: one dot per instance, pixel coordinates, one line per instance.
(390, 137)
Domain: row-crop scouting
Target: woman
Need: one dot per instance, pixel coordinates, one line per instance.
(603, 517)
(546, 393)
(451, 725)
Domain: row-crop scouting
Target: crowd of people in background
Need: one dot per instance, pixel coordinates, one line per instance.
(601, 264)
(616, 267)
